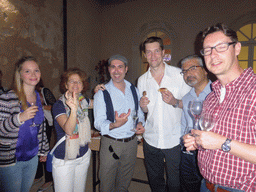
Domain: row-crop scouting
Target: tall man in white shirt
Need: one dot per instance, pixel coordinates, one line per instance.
(162, 128)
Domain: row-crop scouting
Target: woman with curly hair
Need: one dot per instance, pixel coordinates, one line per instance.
(72, 157)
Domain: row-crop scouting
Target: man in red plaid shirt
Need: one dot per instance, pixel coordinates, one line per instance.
(227, 153)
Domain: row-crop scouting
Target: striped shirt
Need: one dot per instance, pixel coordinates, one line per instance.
(236, 119)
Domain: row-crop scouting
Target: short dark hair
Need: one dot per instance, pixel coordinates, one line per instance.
(223, 28)
(65, 76)
(152, 39)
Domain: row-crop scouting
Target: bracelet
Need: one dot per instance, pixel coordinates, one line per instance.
(177, 104)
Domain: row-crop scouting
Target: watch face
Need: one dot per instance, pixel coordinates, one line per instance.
(225, 148)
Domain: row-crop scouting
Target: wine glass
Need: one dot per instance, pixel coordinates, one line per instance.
(134, 119)
(196, 109)
(187, 131)
(33, 123)
(206, 122)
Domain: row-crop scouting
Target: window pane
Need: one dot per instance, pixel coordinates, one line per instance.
(247, 30)
(254, 31)
(254, 66)
(244, 64)
(151, 34)
(244, 53)
(254, 55)
(241, 37)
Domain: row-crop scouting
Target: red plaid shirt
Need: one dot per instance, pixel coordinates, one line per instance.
(236, 119)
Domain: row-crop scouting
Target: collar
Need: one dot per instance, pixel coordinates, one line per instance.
(149, 75)
(206, 90)
(238, 82)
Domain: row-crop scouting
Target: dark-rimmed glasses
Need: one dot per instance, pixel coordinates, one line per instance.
(183, 72)
(111, 150)
(219, 48)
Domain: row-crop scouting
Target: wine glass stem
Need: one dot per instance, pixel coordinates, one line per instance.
(196, 125)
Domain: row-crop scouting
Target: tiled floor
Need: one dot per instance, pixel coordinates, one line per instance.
(139, 173)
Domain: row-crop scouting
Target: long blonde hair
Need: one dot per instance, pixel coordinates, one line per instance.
(17, 85)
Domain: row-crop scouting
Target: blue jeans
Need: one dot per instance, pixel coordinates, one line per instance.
(20, 177)
(205, 189)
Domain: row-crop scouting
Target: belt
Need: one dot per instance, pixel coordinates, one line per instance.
(122, 140)
(211, 187)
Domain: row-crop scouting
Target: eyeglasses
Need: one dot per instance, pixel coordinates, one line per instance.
(75, 82)
(183, 72)
(219, 48)
(111, 150)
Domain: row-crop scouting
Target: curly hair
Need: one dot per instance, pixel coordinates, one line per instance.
(65, 76)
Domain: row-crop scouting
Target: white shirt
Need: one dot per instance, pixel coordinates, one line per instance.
(163, 125)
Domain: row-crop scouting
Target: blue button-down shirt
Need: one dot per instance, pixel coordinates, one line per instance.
(187, 118)
(121, 103)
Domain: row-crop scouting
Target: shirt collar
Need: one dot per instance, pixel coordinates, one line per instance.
(206, 90)
(149, 75)
(216, 86)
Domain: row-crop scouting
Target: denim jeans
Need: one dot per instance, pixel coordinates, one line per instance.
(19, 177)
(205, 189)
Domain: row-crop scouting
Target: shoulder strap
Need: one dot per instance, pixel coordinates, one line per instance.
(57, 144)
(109, 106)
(135, 97)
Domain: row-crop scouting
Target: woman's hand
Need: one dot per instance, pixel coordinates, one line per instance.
(42, 158)
(29, 113)
(99, 87)
(72, 100)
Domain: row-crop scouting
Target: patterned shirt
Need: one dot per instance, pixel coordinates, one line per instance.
(236, 119)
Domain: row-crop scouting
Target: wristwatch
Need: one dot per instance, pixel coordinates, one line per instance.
(177, 104)
(226, 145)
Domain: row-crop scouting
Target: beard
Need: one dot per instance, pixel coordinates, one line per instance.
(191, 81)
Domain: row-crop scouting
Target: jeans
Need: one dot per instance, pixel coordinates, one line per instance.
(20, 177)
(70, 175)
(205, 189)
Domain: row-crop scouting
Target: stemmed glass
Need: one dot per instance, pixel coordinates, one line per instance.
(187, 131)
(33, 123)
(206, 122)
(196, 109)
(134, 118)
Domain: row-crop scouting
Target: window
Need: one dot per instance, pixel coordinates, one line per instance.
(247, 37)
(167, 47)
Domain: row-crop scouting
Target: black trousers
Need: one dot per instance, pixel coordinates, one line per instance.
(190, 177)
(156, 161)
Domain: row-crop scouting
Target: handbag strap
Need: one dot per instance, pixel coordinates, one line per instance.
(57, 144)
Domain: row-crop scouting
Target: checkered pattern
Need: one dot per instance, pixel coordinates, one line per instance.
(236, 119)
